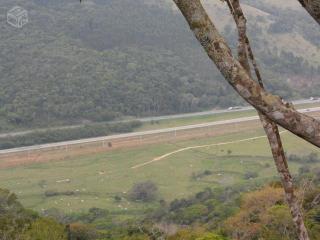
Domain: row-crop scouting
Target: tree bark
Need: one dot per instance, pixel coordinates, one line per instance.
(270, 105)
(245, 53)
(313, 8)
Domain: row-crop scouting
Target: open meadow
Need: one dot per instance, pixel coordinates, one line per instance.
(97, 180)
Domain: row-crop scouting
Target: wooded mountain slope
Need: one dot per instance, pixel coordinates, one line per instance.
(103, 59)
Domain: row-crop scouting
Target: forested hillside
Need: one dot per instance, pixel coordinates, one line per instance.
(104, 59)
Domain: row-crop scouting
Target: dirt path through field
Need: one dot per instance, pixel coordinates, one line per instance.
(196, 147)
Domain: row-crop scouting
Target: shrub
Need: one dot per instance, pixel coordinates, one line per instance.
(144, 191)
(211, 236)
(294, 158)
(117, 198)
(267, 165)
(14, 218)
(250, 175)
(196, 176)
(251, 220)
(46, 228)
(311, 158)
(304, 170)
(178, 203)
(192, 213)
(53, 193)
(79, 231)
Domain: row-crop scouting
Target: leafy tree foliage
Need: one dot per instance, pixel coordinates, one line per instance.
(18, 223)
(208, 215)
(264, 215)
(65, 134)
(124, 57)
(45, 228)
(14, 219)
(211, 236)
(81, 231)
(144, 191)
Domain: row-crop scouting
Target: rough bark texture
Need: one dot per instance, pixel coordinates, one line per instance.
(270, 105)
(313, 8)
(245, 53)
(286, 179)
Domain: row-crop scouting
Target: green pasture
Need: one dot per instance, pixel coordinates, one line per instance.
(97, 179)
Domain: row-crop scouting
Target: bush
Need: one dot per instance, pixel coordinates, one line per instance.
(117, 198)
(144, 191)
(192, 213)
(304, 170)
(53, 193)
(94, 214)
(197, 176)
(294, 158)
(179, 203)
(311, 158)
(79, 231)
(45, 228)
(14, 218)
(267, 165)
(211, 236)
(250, 175)
(316, 172)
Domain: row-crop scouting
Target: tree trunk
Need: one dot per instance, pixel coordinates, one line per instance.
(270, 105)
(271, 129)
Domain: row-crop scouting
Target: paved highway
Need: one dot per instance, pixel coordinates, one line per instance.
(137, 134)
(213, 112)
(158, 118)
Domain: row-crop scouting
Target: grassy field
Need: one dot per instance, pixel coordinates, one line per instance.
(97, 179)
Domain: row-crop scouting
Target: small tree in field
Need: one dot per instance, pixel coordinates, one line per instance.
(143, 191)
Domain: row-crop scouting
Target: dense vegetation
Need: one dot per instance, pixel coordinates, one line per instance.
(66, 134)
(106, 59)
(212, 214)
(101, 60)
(19, 223)
(100, 197)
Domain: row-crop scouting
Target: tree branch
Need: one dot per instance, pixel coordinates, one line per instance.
(270, 105)
(245, 53)
(313, 8)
